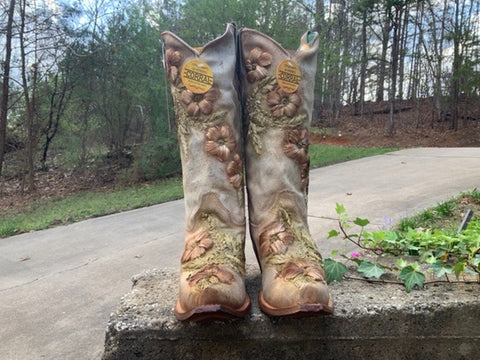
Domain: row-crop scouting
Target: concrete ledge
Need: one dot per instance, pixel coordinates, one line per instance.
(373, 321)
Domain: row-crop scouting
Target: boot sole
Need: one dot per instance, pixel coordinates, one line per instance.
(212, 312)
(298, 310)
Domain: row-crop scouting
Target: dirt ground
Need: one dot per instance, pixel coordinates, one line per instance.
(414, 126)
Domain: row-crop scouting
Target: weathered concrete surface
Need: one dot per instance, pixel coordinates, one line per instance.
(371, 321)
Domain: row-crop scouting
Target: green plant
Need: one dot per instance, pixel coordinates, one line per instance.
(475, 195)
(426, 216)
(407, 223)
(159, 158)
(438, 254)
(445, 209)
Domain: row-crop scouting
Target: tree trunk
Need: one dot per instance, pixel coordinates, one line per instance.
(320, 76)
(5, 84)
(62, 92)
(402, 53)
(29, 103)
(394, 69)
(438, 76)
(413, 75)
(455, 87)
(363, 67)
(383, 59)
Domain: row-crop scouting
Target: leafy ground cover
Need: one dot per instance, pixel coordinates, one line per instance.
(52, 210)
(426, 248)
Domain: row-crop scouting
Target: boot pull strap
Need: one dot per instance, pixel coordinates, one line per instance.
(307, 40)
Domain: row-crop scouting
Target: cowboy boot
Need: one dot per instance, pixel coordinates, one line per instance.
(278, 96)
(203, 85)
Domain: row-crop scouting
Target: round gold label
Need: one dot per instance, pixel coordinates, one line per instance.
(288, 76)
(197, 76)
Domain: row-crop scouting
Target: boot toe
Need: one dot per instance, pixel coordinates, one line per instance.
(296, 297)
(213, 297)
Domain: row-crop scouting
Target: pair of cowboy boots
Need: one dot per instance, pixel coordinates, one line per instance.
(213, 87)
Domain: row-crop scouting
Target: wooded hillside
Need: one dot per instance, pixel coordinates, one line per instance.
(83, 82)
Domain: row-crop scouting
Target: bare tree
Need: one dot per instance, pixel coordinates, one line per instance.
(29, 92)
(6, 81)
(382, 62)
(396, 16)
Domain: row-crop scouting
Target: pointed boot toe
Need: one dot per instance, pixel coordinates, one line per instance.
(212, 293)
(295, 293)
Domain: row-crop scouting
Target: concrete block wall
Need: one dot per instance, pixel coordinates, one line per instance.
(371, 321)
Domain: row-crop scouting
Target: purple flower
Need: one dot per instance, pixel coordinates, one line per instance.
(354, 255)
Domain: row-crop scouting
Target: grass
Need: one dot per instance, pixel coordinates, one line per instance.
(324, 155)
(83, 205)
(57, 211)
(445, 216)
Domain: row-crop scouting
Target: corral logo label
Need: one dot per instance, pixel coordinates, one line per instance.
(288, 76)
(197, 76)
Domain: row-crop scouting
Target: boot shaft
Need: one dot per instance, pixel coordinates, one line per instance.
(277, 90)
(206, 102)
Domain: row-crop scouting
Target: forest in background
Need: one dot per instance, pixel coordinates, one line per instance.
(83, 86)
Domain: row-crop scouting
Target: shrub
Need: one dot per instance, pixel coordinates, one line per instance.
(158, 158)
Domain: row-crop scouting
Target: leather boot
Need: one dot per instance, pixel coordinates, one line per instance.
(278, 100)
(203, 84)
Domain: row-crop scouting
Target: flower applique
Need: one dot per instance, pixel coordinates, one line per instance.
(220, 142)
(257, 63)
(196, 244)
(198, 104)
(295, 145)
(234, 171)
(174, 60)
(282, 103)
(274, 239)
(211, 273)
(302, 268)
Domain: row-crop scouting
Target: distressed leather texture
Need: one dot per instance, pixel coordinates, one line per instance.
(277, 164)
(209, 133)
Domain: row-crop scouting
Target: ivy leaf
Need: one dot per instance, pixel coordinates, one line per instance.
(333, 233)
(476, 260)
(402, 263)
(428, 257)
(470, 271)
(458, 268)
(411, 277)
(441, 270)
(371, 270)
(361, 222)
(389, 236)
(334, 269)
(339, 208)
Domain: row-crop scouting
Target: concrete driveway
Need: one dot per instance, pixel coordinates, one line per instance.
(56, 304)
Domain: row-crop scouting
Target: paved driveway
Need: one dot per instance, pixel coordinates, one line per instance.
(56, 304)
